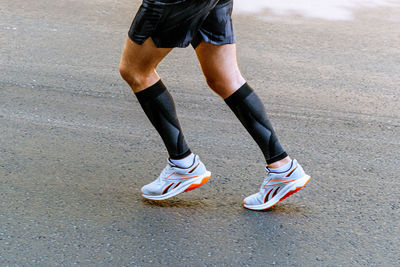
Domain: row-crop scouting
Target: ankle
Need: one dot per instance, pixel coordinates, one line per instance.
(279, 163)
(184, 163)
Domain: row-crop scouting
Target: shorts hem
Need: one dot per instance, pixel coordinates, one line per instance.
(225, 42)
(136, 40)
(159, 44)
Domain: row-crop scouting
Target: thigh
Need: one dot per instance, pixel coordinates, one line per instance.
(220, 68)
(143, 56)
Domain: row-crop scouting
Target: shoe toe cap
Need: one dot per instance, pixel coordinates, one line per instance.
(150, 189)
(145, 190)
(252, 200)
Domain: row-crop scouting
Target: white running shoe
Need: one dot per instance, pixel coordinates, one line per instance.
(277, 186)
(174, 180)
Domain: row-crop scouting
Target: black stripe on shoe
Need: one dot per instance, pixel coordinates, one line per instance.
(290, 173)
(177, 185)
(275, 192)
(166, 189)
(266, 196)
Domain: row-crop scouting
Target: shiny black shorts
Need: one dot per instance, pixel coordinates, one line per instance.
(178, 23)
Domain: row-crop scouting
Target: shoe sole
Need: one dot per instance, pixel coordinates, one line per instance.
(285, 193)
(184, 187)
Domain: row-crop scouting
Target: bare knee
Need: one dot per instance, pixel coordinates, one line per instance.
(128, 74)
(139, 62)
(225, 86)
(137, 79)
(213, 83)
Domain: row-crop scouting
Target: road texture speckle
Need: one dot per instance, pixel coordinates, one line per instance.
(75, 146)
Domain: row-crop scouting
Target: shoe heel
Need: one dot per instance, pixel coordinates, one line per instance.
(297, 189)
(194, 186)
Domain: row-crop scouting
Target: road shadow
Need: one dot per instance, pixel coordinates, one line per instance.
(283, 209)
(175, 203)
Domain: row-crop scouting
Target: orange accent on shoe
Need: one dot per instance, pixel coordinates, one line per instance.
(293, 191)
(288, 194)
(194, 186)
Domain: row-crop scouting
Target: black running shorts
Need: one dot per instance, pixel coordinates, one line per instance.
(178, 23)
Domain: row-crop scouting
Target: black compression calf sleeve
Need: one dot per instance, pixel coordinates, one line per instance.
(159, 107)
(249, 109)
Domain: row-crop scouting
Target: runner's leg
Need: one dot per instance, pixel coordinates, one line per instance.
(138, 68)
(222, 74)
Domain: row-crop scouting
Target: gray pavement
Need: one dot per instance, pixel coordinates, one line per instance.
(75, 147)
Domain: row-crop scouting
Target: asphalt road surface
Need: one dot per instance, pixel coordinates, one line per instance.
(75, 146)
